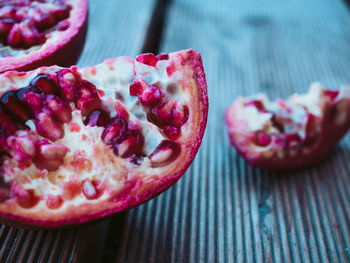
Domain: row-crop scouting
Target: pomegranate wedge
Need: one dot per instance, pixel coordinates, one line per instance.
(81, 144)
(36, 33)
(296, 133)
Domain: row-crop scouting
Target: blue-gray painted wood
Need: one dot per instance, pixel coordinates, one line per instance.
(222, 210)
(116, 28)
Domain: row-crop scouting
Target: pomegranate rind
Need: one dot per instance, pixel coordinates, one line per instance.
(64, 50)
(138, 186)
(331, 132)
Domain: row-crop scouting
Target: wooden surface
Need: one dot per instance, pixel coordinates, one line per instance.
(222, 210)
(111, 33)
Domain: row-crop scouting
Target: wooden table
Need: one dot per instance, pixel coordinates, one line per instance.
(222, 210)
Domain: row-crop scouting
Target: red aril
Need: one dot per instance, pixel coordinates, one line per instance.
(296, 133)
(36, 33)
(81, 144)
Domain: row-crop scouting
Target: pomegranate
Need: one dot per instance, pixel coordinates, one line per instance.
(36, 33)
(79, 144)
(292, 134)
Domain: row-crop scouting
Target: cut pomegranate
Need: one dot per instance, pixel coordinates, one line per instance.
(41, 32)
(81, 144)
(291, 134)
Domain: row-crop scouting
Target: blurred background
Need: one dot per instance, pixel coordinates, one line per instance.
(222, 210)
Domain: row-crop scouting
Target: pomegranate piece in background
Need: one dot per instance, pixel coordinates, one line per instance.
(97, 140)
(292, 134)
(41, 33)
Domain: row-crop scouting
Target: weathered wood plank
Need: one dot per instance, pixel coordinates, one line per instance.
(222, 210)
(115, 28)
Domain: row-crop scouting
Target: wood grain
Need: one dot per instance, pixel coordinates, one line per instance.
(222, 210)
(111, 33)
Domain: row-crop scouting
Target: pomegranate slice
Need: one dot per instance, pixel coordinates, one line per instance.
(36, 33)
(81, 144)
(296, 133)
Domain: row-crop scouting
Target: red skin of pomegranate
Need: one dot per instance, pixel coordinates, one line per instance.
(138, 185)
(330, 133)
(65, 51)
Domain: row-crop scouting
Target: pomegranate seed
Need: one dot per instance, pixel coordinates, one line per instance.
(89, 190)
(26, 198)
(148, 59)
(262, 139)
(115, 130)
(32, 97)
(13, 106)
(30, 35)
(23, 147)
(332, 94)
(72, 188)
(98, 118)
(8, 11)
(53, 201)
(121, 111)
(257, 104)
(42, 17)
(87, 98)
(136, 87)
(21, 13)
(180, 115)
(68, 81)
(170, 69)
(14, 37)
(165, 153)
(63, 25)
(61, 12)
(162, 56)
(5, 26)
(170, 113)
(147, 94)
(44, 83)
(172, 132)
(50, 156)
(7, 125)
(47, 127)
(151, 96)
(132, 144)
(162, 114)
(60, 109)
